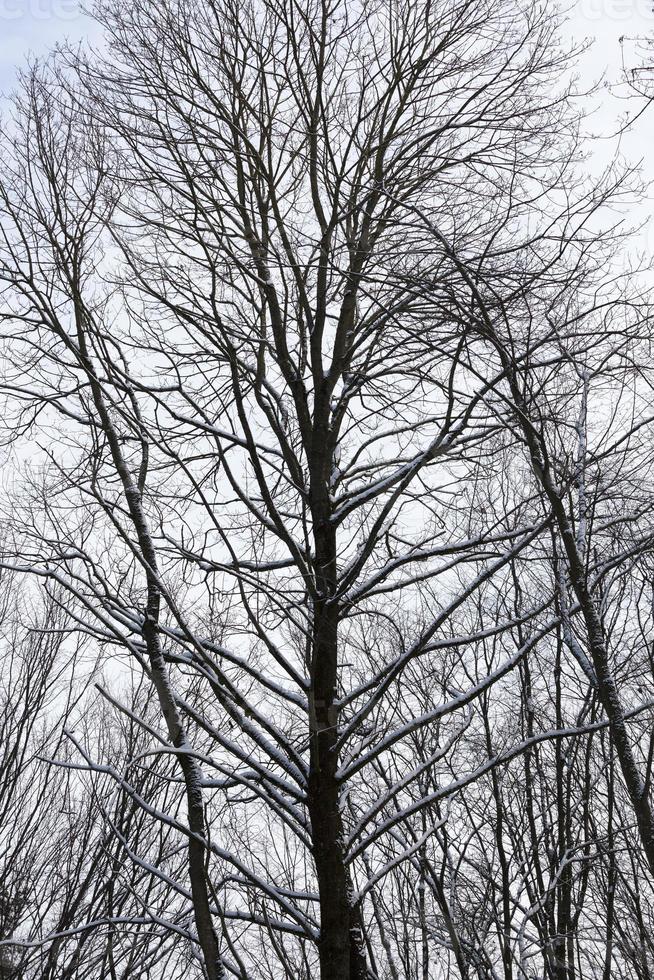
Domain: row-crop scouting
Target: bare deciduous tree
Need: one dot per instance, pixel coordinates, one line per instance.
(338, 407)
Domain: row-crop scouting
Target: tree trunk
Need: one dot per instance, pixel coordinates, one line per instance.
(341, 950)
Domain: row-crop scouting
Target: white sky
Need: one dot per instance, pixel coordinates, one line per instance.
(32, 26)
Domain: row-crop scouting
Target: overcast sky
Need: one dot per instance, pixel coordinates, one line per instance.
(32, 26)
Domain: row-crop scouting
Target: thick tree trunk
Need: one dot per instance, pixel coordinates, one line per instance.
(341, 947)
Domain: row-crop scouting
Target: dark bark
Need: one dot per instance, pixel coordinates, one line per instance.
(341, 945)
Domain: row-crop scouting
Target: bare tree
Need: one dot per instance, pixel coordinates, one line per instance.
(310, 324)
